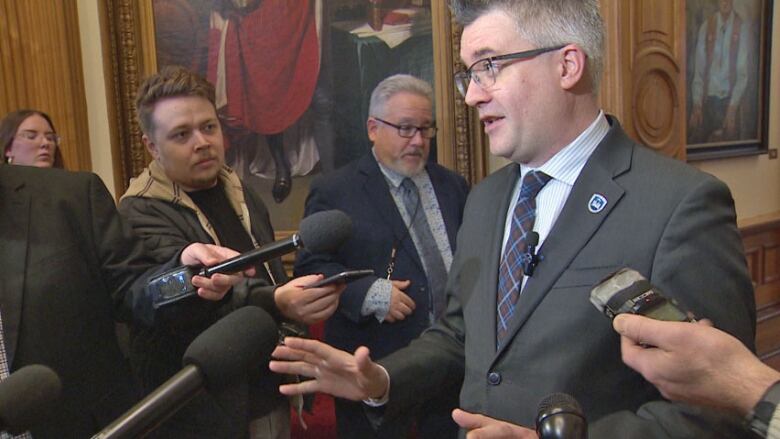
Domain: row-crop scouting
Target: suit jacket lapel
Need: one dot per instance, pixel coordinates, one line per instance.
(576, 224)
(494, 208)
(13, 254)
(379, 196)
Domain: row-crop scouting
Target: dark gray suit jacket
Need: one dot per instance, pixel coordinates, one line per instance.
(67, 263)
(673, 224)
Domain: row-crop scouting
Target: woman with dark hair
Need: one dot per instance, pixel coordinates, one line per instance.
(28, 138)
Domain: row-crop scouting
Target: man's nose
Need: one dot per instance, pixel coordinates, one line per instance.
(475, 94)
(417, 139)
(201, 140)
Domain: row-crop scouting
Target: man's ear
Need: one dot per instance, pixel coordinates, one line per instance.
(572, 66)
(371, 127)
(150, 146)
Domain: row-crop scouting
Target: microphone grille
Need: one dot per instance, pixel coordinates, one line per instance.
(325, 231)
(559, 402)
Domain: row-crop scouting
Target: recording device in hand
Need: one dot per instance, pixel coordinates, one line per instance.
(27, 396)
(344, 276)
(627, 291)
(560, 417)
(321, 232)
(219, 356)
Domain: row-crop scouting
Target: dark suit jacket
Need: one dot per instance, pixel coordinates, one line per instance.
(361, 191)
(67, 262)
(673, 224)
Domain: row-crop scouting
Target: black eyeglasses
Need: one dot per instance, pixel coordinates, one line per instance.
(485, 70)
(408, 131)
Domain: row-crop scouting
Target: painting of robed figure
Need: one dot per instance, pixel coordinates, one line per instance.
(727, 59)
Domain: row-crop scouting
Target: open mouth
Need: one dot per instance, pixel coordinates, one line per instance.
(490, 120)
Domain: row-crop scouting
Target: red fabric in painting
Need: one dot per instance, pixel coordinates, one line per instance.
(271, 65)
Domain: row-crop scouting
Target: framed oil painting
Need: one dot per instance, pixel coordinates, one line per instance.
(293, 81)
(728, 49)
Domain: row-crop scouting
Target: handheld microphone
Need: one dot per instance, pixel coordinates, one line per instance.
(531, 259)
(560, 417)
(320, 232)
(215, 359)
(27, 396)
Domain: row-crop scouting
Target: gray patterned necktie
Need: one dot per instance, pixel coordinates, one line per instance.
(430, 255)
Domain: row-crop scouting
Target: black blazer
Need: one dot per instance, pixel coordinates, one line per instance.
(361, 191)
(67, 262)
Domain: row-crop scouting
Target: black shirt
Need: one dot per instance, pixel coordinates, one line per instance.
(215, 205)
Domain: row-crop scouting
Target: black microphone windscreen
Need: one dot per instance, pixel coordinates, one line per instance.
(325, 231)
(560, 417)
(27, 396)
(532, 240)
(239, 341)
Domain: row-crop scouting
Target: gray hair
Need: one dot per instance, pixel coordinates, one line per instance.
(547, 23)
(393, 85)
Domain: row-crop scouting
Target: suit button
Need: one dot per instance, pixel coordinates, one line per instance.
(494, 378)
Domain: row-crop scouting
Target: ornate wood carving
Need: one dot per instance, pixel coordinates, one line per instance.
(644, 79)
(124, 34)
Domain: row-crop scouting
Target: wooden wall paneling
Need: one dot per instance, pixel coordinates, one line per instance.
(42, 69)
(644, 78)
(10, 49)
(761, 239)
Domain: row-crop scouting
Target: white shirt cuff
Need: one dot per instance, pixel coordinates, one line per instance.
(381, 401)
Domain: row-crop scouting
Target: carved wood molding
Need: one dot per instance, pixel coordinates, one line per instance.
(644, 71)
(125, 62)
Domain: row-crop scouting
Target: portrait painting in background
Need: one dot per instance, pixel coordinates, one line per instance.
(727, 62)
(293, 79)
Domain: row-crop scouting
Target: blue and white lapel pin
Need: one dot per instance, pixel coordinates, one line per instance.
(597, 203)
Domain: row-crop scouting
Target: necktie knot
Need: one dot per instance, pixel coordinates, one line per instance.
(408, 185)
(533, 182)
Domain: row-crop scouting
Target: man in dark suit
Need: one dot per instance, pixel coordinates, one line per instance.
(519, 321)
(405, 214)
(70, 268)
